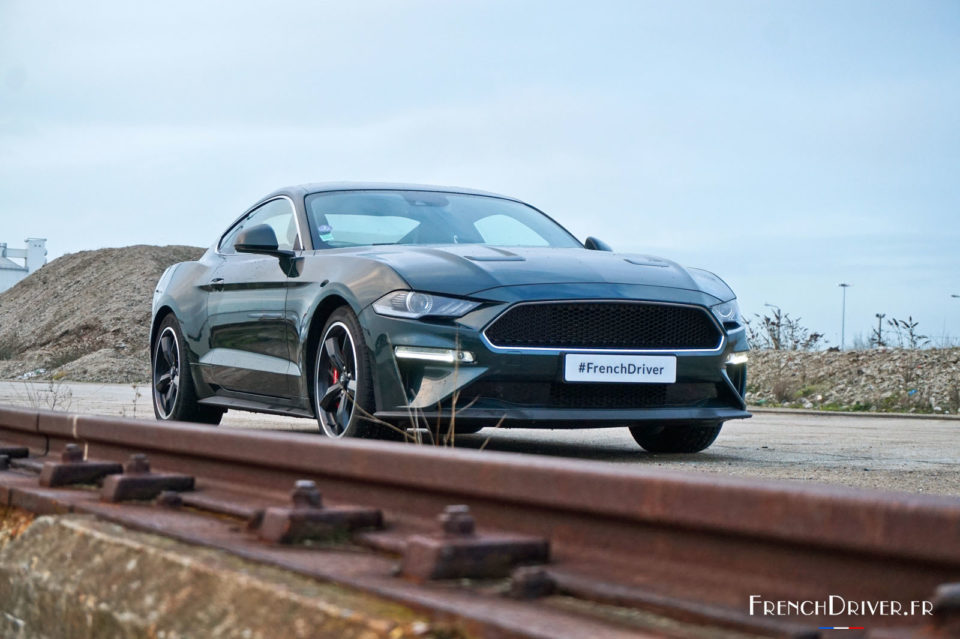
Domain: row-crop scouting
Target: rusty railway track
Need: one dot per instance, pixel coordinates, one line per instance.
(524, 546)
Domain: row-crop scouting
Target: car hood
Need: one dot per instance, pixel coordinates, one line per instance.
(470, 269)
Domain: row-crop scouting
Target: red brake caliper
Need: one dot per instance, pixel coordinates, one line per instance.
(336, 378)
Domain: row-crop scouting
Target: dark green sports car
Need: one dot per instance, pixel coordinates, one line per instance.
(375, 308)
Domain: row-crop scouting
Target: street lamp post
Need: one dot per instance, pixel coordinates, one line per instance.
(954, 296)
(843, 316)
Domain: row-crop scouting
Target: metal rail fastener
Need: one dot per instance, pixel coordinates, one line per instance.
(74, 469)
(307, 519)
(138, 483)
(458, 552)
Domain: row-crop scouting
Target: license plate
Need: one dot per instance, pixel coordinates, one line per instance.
(626, 369)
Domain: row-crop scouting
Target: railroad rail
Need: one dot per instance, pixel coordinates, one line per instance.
(524, 546)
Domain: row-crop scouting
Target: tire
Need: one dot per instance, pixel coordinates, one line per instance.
(343, 399)
(173, 392)
(676, 438)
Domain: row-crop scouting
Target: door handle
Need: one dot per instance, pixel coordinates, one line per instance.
(265, 316)
(217, 283)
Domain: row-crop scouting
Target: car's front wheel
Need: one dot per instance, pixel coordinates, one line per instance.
(174, 396)
(676, 438)
(343, 398)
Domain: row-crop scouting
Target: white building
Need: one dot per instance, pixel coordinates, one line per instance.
(34, 256)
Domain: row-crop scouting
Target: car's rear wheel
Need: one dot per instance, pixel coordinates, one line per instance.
(343, 398)
(676, 438)
(174, 395)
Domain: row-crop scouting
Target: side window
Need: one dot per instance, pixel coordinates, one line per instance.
(278, 214)
(226, 244)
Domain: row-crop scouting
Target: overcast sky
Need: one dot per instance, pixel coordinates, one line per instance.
(785, 146)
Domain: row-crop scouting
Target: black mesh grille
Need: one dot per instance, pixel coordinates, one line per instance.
(604, 325)
(565, 395)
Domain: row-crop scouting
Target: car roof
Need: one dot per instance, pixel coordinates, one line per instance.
(321, 187)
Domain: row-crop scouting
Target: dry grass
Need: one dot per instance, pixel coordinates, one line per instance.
(442, 432)
(784, 390)
(53, 395)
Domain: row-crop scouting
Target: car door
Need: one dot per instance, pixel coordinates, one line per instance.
(249, 332)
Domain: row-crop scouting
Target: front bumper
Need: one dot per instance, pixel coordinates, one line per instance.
(525, 388)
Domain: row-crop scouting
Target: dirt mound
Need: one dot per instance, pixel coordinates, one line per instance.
(85, 316)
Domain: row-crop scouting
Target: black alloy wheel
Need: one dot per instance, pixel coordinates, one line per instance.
(342, 384)
(166, 373)
(174, 396)
(336, 380)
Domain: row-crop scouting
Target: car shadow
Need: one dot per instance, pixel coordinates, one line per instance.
(607, 446)
(628, 451)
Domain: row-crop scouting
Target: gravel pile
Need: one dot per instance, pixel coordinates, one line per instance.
(887, 379)
(85, 316)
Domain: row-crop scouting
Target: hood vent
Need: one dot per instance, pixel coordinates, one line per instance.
(646, 261)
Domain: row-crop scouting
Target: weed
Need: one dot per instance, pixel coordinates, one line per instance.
(136, 397)
(890, 403)
(420, 431)
(953, 398)
(784, 390)
(907, 334)
(10, 348)
(52, 396)
(811, 390)
(780, 332)
(64, 357)
(876, 338)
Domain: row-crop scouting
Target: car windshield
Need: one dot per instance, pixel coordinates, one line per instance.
(365, 218)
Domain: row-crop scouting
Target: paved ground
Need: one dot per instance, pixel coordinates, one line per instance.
(916, 455)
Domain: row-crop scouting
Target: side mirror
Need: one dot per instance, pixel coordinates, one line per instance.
(259, 239)
(594, 244)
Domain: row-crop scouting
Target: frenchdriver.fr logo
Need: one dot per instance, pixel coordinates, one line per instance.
(835, 606)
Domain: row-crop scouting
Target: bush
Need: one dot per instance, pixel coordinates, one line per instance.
(784, 390)
(780, 332)
(9, 349)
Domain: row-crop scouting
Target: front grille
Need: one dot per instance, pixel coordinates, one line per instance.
(566, 395)
(605, 325)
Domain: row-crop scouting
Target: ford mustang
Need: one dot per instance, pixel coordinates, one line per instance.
(374, 308)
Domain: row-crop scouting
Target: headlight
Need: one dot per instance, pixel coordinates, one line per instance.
(415, 305)
(728, 313)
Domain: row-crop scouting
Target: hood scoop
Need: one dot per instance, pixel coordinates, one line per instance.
(496, 255)
(647, 261)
